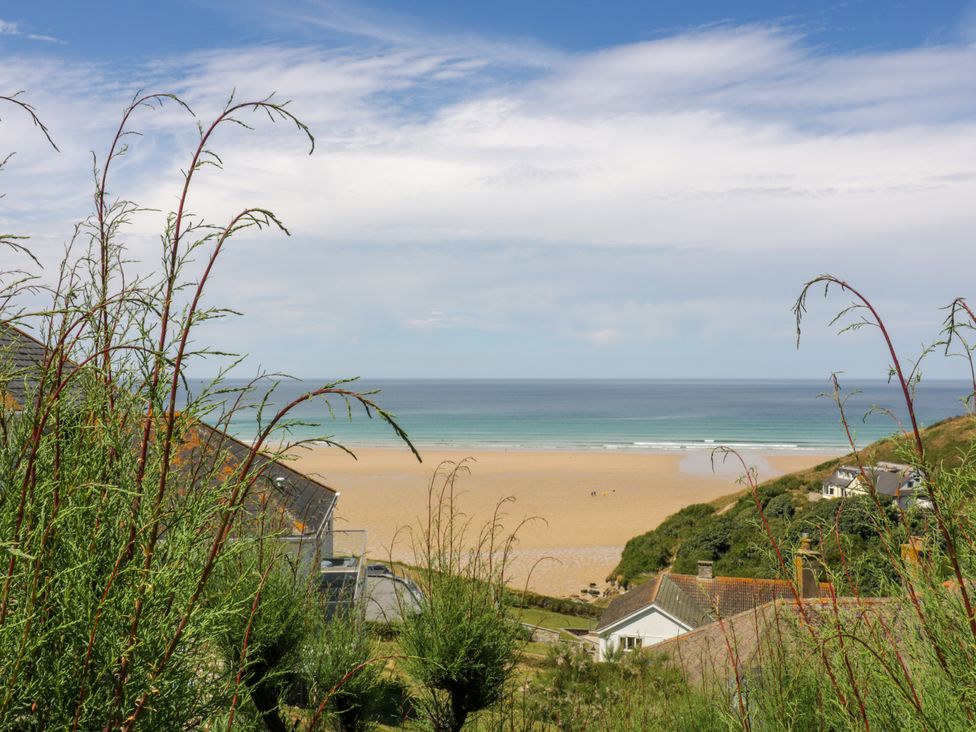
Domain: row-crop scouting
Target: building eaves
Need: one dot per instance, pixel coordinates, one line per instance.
(629, 603)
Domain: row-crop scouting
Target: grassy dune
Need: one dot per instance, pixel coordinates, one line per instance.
(728, 531)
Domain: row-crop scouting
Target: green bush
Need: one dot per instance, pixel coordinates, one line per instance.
(339, 666)
(126, 595)
(708, 542)
(562, 605)
(780, 507)
(462, 647)
(262, 641)
(633, 691)
(654, 550)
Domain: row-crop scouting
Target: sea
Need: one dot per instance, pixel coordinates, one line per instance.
(792, 416)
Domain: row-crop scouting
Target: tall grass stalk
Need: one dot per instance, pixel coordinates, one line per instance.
(901, 661)
(112, 525)
(462, 646)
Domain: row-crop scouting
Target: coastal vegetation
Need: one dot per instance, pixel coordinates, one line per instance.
(144, 581)
(731, 533)
(889, 644)
(900, 660)
(141, 589)
(462, 646)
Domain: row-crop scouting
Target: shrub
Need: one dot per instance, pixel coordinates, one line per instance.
(110, 540)
(462, 646)
(654, 550)
(634, 691)
(562, 605)
(340, 668)
(780, 507)
(261, 643)
(708, 542)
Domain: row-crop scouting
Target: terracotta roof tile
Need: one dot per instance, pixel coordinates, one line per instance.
(727, 596)
(703, 653)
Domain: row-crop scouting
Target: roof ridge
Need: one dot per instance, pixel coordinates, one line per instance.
(657, 585)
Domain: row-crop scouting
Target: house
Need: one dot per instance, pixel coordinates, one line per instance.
(300, 507)
(742, 644)
(839, 481)
(674, 604)
(902, 482)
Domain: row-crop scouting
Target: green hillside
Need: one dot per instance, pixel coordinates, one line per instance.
(729, 532)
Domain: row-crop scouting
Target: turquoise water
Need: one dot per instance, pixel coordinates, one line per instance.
(663, 415)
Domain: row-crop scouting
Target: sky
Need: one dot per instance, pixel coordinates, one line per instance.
(532, 189)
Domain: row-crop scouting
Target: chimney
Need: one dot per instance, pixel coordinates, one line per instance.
(806, 563)
(913, 551)
(704, 570)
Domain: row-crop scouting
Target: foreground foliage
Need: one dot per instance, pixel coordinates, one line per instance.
(462, 646)
(903, 659)
(128, 596)
(140, 589)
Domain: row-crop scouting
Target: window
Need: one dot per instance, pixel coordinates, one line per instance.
(630, 642)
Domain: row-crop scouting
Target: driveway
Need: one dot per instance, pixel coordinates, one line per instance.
(387, 597)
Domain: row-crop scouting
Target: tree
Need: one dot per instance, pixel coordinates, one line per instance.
(339, 666)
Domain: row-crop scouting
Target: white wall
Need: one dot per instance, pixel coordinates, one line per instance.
(651, 625)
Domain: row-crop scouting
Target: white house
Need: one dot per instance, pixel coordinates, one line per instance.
(642, 616)
(673, 604)
(902, 482)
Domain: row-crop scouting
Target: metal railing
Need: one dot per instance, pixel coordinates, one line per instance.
(337, 562)
(342, 569)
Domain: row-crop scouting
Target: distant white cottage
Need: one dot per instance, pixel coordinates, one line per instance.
(902, 482)
(673, 604)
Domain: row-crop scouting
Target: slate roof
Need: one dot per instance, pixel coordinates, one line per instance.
(22, 356)
(630, 602)
(697, 602)
(888, 483)
(304, 501)
(888, 478)
(838, 481)
(703, 653)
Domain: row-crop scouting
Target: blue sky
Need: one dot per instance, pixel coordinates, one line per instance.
(530, 189)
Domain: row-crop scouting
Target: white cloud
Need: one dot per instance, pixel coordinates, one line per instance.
(9, 28)
(667, 192)
(436, 319)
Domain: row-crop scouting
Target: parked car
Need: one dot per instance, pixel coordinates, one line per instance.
(378, 570)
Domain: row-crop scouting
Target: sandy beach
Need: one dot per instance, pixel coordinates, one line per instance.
(588, 504)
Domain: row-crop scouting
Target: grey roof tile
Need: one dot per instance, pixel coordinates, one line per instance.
(306, 501)
(695, 601)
